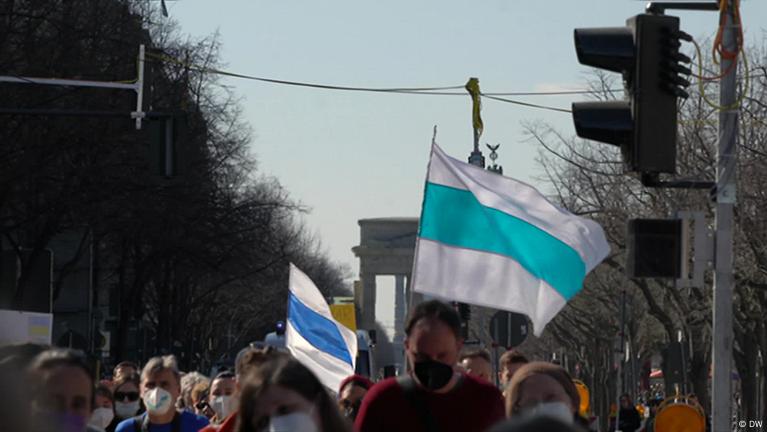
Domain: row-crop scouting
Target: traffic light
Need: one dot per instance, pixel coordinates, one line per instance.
(654, 248)
(646, 52)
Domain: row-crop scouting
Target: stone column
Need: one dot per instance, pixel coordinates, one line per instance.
(400, 314)
(368, 312)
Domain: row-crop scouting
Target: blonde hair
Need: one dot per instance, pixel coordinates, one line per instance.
(189, 383)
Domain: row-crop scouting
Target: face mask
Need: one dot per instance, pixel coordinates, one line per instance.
(556, 410)
(158, 401)
(124, 410)
(61, 422)
(101, 417)
(295, 422)
(432, 374)
(223, 406)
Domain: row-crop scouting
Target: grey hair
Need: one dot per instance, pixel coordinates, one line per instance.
(188, 382)
(159, 364)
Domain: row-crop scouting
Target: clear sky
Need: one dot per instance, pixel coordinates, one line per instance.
(350, 156)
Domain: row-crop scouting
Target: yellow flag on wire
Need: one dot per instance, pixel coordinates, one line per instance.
(473, 88)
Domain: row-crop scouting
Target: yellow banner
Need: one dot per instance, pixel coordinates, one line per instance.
(344, 313)
(473, 88)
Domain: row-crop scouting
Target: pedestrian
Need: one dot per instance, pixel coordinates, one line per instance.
(127, 399)
(200, 403)
(544, 389)
(509, 364)
(14, 411)
(628, 416)
(654, 403)
(124, 368)
(246, 361)
(535, 424)
(160, 387)
(281, 394)
(103, 408)
(222, 398)
(433, 396)
(63, 388)
(188, 382)
(478, 364)
(351, 392)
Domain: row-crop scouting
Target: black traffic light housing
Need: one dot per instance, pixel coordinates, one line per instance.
(646, 52)
(654, 248)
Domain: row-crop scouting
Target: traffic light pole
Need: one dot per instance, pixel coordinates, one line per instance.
(721, 391)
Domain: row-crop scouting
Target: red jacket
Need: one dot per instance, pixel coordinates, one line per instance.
(229, 424)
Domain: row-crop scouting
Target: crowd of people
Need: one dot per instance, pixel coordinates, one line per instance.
(445, 389)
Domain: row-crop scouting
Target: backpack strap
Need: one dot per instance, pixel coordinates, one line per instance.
(413, 396)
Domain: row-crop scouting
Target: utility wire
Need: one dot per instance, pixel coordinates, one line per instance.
(531, 105)
(297, 83)
(402, 90)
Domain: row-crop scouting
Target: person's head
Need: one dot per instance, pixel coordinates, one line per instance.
(14, 411)
(20, 356)
(223, 384)
(127, 398)
(432, 343)
(200, 400)
(124, 368)
(625, 401)
(103, 407)
(103, 397)
(478, 363)
(283, 394)
(223, 393)
(509, 364)
(350, 394)
(188, 382)
(64, 387)
(160, 386)
(542, 388)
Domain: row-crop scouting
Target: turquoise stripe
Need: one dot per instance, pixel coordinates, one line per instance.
(455, 217)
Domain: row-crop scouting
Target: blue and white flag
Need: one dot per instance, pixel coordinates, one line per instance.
(493, 241)
(313, 337)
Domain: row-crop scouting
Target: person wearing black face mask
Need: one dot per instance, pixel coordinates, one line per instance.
(433, 396)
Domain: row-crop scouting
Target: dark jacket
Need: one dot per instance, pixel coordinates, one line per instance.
(629, 420)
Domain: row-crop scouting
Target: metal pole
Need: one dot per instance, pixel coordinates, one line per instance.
(619, 386)
(169, 141)
(721, 391)
(139, 113)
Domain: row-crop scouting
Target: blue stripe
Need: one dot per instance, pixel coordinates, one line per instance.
(455, 217)
(318, 330)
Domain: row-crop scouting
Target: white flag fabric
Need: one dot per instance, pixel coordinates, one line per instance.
(493, 241)
(313, 337)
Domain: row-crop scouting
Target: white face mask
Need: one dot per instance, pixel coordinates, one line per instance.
(126, 409)
(557, 410)
(223, 406)
(101, 417)
(158, 401)
(298, 421)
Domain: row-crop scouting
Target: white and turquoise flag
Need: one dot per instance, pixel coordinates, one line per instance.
(493, 241)
(313, 337)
